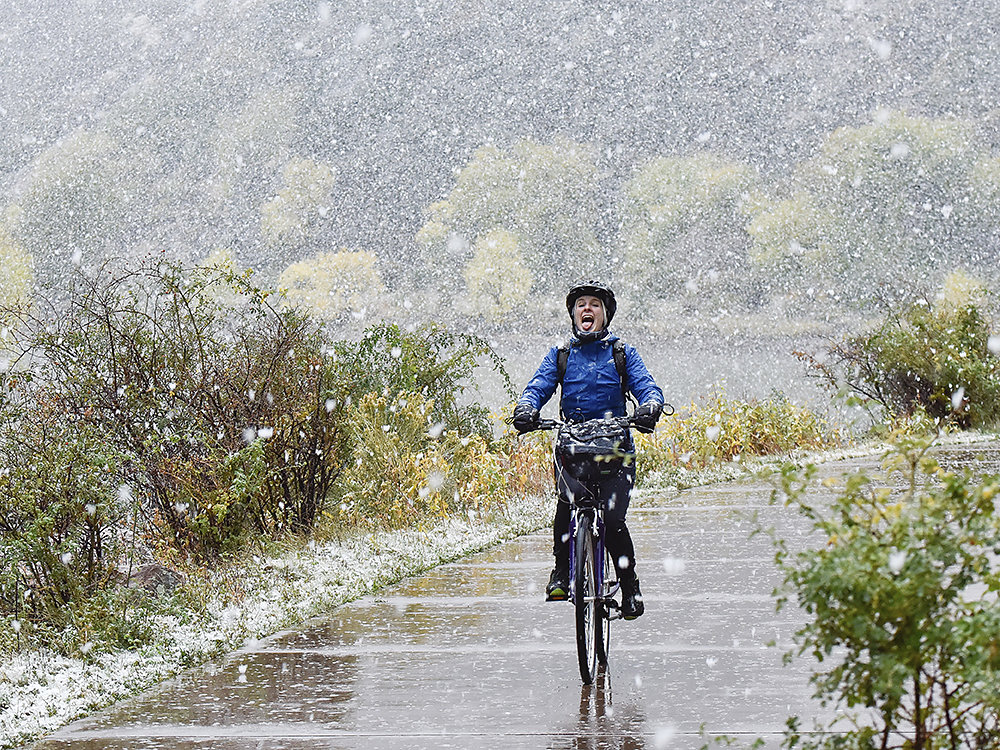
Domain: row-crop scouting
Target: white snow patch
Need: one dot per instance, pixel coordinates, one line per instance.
(957, 399)
(663, 737)
(897, 559)
(881, 47)
(899, 151)
(673, 566)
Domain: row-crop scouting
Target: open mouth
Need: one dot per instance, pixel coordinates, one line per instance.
(587, 321)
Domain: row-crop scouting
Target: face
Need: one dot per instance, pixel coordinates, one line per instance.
(588, 313)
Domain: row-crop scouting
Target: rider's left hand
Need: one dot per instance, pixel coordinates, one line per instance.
(646, 415)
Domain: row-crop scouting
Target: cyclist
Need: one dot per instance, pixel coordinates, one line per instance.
(592, 388)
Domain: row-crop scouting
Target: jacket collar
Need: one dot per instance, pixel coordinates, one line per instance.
(604, 335)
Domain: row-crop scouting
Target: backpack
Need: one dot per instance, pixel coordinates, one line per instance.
(617, 350)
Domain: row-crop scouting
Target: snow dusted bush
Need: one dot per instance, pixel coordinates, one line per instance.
(407, 467)
(939, 359)
(62, 513)
(418, 448)
(901, 590)
(431, 361)
(213, 396)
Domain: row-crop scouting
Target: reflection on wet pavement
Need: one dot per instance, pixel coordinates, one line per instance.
(470, 656)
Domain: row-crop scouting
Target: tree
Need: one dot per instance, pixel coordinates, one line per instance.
(985, 184)
(545, 196)
(79, 205)
(15, 270)
(497, 277)
(682, 226)
(334, 286)
(887, 204)
(252, 148)
(791, 244)
(293, 217)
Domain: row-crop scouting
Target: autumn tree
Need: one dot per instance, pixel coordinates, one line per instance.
(334, 286)
(497, 277)
(885, 206)
(546, 196)
(15, 269)
(293, 218)
(79, 204)
(682, 226)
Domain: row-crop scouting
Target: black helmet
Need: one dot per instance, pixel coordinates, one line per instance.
(596, 289)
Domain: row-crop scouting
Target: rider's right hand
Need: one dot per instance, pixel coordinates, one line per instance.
(525, 418)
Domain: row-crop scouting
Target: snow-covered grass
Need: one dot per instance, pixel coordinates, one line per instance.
(41, 691)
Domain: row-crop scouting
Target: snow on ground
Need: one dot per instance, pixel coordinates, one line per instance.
(41, 691)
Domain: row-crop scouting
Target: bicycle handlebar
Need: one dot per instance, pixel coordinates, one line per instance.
(554, 424)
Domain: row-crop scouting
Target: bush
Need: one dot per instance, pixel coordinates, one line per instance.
(529, 464)
(408, 467)
(62, 517)
(67, 535)
(218, 399)
(930, 358)
(430, 361)
(725, 429)
(902, 596)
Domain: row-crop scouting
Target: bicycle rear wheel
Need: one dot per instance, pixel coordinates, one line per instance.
(588, 616)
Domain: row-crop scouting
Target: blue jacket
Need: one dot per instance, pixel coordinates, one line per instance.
(591, 386)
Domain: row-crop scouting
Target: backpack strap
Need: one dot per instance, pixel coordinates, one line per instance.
(562, 357)
(617, 351)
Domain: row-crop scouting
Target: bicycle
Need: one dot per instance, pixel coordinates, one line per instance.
(592, 592)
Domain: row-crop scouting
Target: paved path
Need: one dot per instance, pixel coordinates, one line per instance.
(469, 656)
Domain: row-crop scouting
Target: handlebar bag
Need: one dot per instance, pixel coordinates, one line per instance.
(592, 449)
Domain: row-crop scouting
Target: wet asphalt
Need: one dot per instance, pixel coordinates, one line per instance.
(470, 656)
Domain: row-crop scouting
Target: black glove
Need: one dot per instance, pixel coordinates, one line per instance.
(525, 418)
(646, 415)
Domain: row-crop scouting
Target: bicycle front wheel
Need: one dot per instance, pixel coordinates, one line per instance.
(588, 616)
(603, 613)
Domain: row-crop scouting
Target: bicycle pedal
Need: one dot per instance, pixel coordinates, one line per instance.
(557, 597)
